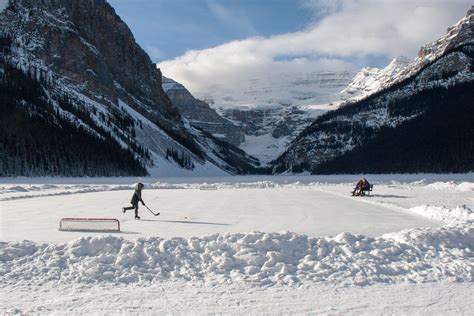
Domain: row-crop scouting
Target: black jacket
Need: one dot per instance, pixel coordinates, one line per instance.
(137, 196)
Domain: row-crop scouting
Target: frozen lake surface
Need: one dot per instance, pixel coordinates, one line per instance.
(194, 212)
(252, 246)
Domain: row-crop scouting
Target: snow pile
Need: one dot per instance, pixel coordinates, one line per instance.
(452, 186)
(260, 259)
(448, 215)
(32, 191)
(17, 188)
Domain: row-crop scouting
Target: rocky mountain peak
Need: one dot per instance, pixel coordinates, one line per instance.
(88, 44)
(371, 80)
(456, 35)
(95, 75)
(200, 114)
(399, 61)
(427, 96)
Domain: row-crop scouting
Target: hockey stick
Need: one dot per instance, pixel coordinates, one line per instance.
(152, 211)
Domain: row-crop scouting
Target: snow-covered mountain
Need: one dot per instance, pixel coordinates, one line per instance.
(89, 78)
(420, 120)
(219, 137)
(200, 114)
(73, 70)
(370, 80)
(273, 111)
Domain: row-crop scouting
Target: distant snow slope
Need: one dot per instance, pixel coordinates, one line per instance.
(158, 142)
(279, 91)
(272, 111)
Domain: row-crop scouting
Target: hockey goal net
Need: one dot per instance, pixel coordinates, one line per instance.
(207, 187)
(89, 224)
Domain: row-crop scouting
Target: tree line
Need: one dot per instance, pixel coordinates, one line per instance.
(36, 140)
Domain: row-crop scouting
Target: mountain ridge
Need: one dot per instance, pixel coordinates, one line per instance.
(371, 80)
(343, 134)
(82, 52)
(217, 135)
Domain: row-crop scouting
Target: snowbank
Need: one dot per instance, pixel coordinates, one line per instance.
(15, 192)
(19, 192)
(448, 215)
(452, 186)
(259, 259)
(11, 189)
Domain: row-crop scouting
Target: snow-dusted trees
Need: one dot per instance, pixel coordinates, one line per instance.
(37, 140)
(181, 159)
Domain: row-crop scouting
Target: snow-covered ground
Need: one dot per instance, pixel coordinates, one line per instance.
(264, 147)
(254, 245)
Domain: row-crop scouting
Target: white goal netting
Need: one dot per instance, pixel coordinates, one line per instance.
(207, 187)
(89, 224)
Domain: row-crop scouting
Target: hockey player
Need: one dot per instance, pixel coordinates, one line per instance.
(137, 197)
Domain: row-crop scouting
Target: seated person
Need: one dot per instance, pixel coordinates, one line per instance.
(361, 186)
(365, 185)
(358, 188)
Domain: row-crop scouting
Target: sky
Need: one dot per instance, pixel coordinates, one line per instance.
(204, 42)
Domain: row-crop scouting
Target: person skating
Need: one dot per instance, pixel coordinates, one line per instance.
(137, 197)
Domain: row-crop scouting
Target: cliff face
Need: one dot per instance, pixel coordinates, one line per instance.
(96, 76)
(201, 115)
(219, 137)
(87, 44)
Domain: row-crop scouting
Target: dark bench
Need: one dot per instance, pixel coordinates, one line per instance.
(363, 192)
(371, 187)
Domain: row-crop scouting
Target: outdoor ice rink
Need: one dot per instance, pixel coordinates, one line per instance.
(195, 212)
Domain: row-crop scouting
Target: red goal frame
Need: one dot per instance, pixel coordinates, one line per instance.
(90, 219)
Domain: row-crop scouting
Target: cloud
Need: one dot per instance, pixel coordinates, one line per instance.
(342, 31)
(388, 27)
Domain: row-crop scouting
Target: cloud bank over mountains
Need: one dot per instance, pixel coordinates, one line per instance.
(344, 35)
